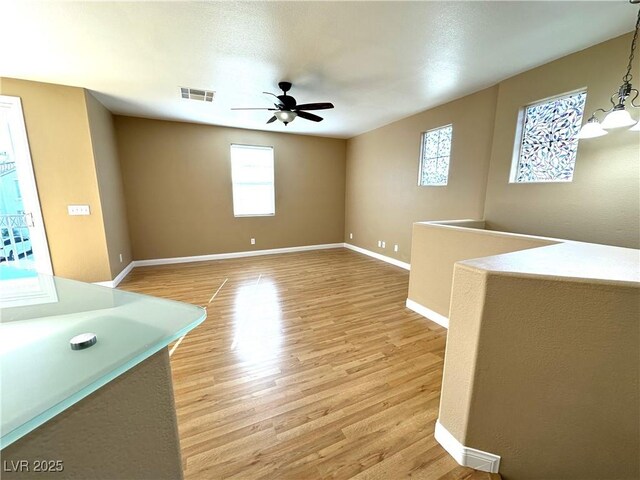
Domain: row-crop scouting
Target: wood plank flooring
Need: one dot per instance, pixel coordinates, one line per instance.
(308, 367)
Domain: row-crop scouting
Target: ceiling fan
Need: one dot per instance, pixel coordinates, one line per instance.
(287, 108)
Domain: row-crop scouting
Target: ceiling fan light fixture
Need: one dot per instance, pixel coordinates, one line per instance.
(286, 116)
(287, 109)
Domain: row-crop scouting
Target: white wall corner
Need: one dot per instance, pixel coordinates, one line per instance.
(428, 313)
(384, 258)
(116, 281)
(466, 456)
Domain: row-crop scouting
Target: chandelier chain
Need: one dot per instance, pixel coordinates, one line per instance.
(627, 77)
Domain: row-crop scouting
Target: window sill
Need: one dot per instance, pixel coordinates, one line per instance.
(255, 215)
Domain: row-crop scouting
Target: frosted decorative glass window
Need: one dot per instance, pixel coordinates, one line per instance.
(253, 180)
(434, 156)
(549, 140)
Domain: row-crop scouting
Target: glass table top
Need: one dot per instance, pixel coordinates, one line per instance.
(40, 375)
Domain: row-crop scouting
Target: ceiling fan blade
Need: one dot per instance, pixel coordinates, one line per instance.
(272, 94)
(314, 106)
(253, 109)
(310, 116)
(272, 119)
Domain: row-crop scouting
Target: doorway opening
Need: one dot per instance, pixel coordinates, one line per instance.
(23, 241)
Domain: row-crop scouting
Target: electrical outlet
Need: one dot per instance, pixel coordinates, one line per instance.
(379, 243)
(383, 245)
(120, 258)
(78, 210)
(351, 236)
(395, 248)
(253, 241)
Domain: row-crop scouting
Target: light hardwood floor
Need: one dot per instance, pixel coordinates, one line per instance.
(308, 366)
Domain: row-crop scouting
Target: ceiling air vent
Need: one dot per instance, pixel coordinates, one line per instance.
(197, 94)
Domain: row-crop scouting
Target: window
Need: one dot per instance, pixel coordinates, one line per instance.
(434, 156)
(252, 179)
(548, 139)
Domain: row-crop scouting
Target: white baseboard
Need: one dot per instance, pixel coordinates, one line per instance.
(251, 253)
(223, 256)
(466, 456)
(428, 313)
(114, 283)
(379, 256)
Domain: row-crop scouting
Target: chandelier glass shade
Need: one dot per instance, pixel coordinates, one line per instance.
(618, 116)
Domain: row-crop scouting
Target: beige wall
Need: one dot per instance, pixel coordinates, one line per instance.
(61, 151)
(602, 204)
(383, 198)
(114, 211)
(436, 248)
(177, 179)
(562, 397)
(178, 194)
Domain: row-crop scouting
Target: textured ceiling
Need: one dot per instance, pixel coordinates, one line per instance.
(376, 61)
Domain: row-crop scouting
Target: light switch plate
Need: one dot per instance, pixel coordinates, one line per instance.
(78, 210)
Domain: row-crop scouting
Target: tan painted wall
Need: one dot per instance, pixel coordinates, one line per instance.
(602, 204)
(110, 186)
(126, 429)
(383, 198)
(562, 398)
(62, 155)
(437, 248)
(177, 179)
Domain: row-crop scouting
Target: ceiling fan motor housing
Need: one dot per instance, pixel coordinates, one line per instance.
(284, 86)
(288, 102)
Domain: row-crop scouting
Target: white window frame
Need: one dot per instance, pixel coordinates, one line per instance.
(233, 182)
(421, 162)
(517, 147)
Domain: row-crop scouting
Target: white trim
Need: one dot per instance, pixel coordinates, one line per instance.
(223, 256)
(123, 274)
(379, 256)
(116, 281)
(466, 456)
(427, 313)
(250, 253)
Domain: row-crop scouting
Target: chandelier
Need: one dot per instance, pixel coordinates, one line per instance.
(617, 116)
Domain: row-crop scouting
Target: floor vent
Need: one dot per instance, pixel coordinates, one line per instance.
(197, 94)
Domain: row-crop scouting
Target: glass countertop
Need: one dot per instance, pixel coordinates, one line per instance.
(40, 375)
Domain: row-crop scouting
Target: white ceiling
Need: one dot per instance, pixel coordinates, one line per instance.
(376, 61)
